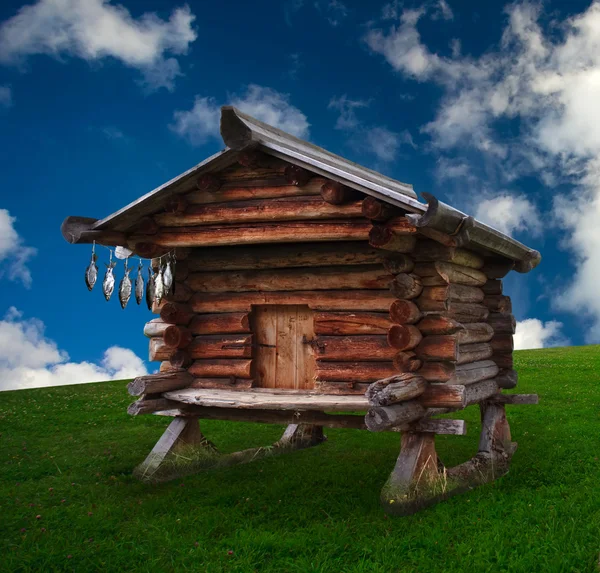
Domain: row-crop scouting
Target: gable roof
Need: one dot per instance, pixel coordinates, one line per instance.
(240, 131)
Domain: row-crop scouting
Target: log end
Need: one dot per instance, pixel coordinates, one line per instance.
(73, 227)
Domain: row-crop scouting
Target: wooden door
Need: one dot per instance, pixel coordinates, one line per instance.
(283, 357)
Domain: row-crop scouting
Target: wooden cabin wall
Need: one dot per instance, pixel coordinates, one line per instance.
(386, 296)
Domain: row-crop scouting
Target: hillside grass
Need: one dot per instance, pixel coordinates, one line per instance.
(68, 501)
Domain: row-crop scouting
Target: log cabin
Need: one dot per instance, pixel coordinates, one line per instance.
(309, 288)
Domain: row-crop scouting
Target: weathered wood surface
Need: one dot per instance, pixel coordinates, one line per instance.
(222, 383)
(236, 368)
(398, 263)
(349, 323)
(283, 256)
(438, 324)
(407, 361)
(338, 194)
(338, 387)
(159, 383)
(441, 273)
(453, 292)
(174, 313)
(268, 400)
(463, 374)
(209, 183)
(498, 303)
(503, 360)
(404, 312)
(463, 312)
(175, 204)
(370, 347)
(354, 371)
(403, 336)
(331, 278)
(506, 379)
(443, 396)
(395, 389)
(346, 300)
(502, 343)
(283, 356)
(180, 292)
(379, 210)
(180, 358)
(225, 323)
(497, 268)
(473, 352)
(206, 346)
(395, 235)
(406, 286)
(431, 251)
(475, 332)
(296, 175)
(149, 406)
(257, 210)
(516, 399)
(176, 336)
(492, 286)
(446, 347)
(502, 323)
(258, 233)
(233, 193)
(382, 418)
(155, 328)
(480, 391)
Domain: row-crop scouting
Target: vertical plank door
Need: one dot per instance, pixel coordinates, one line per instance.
(283, 357)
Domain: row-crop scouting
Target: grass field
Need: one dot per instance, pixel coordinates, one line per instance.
(68, 501)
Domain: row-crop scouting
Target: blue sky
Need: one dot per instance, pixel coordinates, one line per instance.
(490, 106)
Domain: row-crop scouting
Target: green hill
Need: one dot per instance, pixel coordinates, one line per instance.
(66, 455)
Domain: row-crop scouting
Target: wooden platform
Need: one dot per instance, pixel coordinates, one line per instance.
(269, 399)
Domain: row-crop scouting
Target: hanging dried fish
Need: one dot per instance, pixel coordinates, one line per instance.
(168, 276)
(139, 284)
(159, 284)
(150, 288)
(108, 284)
(125, 287)
(91, 273)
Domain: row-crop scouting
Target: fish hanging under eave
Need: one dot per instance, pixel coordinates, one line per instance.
(150, 288)
(91, 273)
(108, 284)
(139, 284)
(125, 287)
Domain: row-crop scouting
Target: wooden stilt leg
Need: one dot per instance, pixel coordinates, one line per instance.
(415, 480)
(302, 436)
(182, 431)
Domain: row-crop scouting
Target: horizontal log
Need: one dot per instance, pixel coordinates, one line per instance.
(503, 360)
(348, 323)
(354, 371)
(475, 332)
(404, 312)
(331, 278)
(442, 426)
(407, 361)
(180, 292)
(284, 256)
(446, 347)
(176, 336)
(459, 311)
(222, 383)
(438, 324)
(174, 313)
(385, 417)
(155, 328)
(180, 358)
(431, 251)
(497, 268)
(209, 183)
(441, 273)
(296, 175)
(394, 389)
(502, 323)
(166, 366)
(502, 343)
(258, 210)
(398, 263)
(443, 396)
(146, 226)
(175, 204)
(454, 292)
(371, 347)
(349, 300)
(340, 388)
(379, 210)
(498, 303)
(396, 235)
(406, 286)
(255, 233)
(77, 230)
(516, 399)
(463, 374)
(225, 323)
(159, 383)
(337, 194)
(473, 352)
(506, 379)
(239, 368)
(480, 391)
(150, 406)
(207, 346)
(492, 286)
(403, 336)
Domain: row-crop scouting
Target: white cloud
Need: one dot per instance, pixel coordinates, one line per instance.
(96, 29)
(335, 11)
(509, 214)
(547, 84)
(6, 99)
(14, 255)
(442, 10)
(533, 333)
(30, 360)
(265, 104)
(347, 108)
